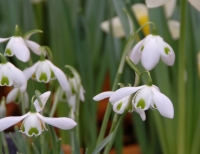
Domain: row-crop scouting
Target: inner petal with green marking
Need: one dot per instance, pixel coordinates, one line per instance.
(33, 131)
(4, 81)
(141, 104)
(119, 106)
(43, 77)
(8, 52)
(167, 50)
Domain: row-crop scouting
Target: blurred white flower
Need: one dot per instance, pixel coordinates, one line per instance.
(18, 46)
(2, 108)
(145, 98)
(157, 3)
(34, 122)
(120, 105)
(150, 49)
(169, 8)
(10, 75)
(174, 29)
(36, 1)
(44, 71)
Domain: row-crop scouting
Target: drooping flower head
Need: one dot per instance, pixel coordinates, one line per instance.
(34, 122)
(19, 45)
(150, 49)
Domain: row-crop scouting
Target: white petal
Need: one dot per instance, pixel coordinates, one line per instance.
(31, 70)
(117, 28)
(174, 29)
(12, 95)
(135, 55)
(32, 125)
(195, 3)
(2, 108)
(103, 95)
(72, 102)
(9, 121)
(17, 46)
(43, 97)
(33, 46)
(140, 10)
(43, 72)
(121, 105)
(62, 123)
(18, 77)
(4, 39)
(6, 78)
(123, 92)
(25, 99)
(155, 3)
(169, 8)
(163, 104)
(167, 54)
(62, 79)
(150, 53)
(142, 114)
(81, 94)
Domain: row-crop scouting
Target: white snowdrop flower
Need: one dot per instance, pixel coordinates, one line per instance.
(18, 45)
(145, 98)
(150, 49)
(34, 122)
(2, 108)
(10, 75)
(15, 95)
(174, 29)
(120, 105)
(44, 71)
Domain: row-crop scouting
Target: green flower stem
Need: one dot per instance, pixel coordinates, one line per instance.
(37, 94)
(181, 83)
(117, 78)
(149, 77)
(23, 105)
(42, 143)
(5, 146)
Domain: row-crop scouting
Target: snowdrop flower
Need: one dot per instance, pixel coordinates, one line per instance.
(145, 98)
(157, 3)
(44, 71)
(120, 105)
(2, 108)
(18, 46)
(10, 75)
(15, 95)
(150, 49)
(34, 122)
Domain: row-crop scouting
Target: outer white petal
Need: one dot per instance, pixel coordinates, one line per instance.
(135, 55)
(72, 102)
(142, 114)
(155, 3)
(195, 3)
(62, 123)
(62, 79)
(121, 105)
(167, 58)
(140, 10)
(33, 46)
(169, 8)
(103, 95)
(117, 28)
(123, 92)
(44, 97)
(43, 72)
(31, 70)
(163, 104)
(4, 39)
(150, 53)
(32, 125)
(81, 94)
(18, 77)
(12, 95)
(174, 29)
(9, 121)
(19, 48)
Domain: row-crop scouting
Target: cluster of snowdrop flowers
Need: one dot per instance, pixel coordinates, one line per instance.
(34, 122)
(19, 45)
(150, 49)
(146, 97)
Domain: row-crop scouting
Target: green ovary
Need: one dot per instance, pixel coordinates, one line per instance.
(33, 130)
(4, 81)
(141, 104)
(119, 106)
(43, 77)
(167, 50)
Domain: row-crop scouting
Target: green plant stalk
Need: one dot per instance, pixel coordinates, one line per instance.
(181, 83)
(5, 146)
(1, 143)
(42, 144)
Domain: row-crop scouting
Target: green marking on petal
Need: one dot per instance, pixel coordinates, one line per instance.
(64, 96)
(43, 77)
(33, 130)
(119, 106)
(141, 104)
(4, 81)
(52, 75)
(8, 52)
(23, 128)
(142, 48)
(167, 50)
(33, 76)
